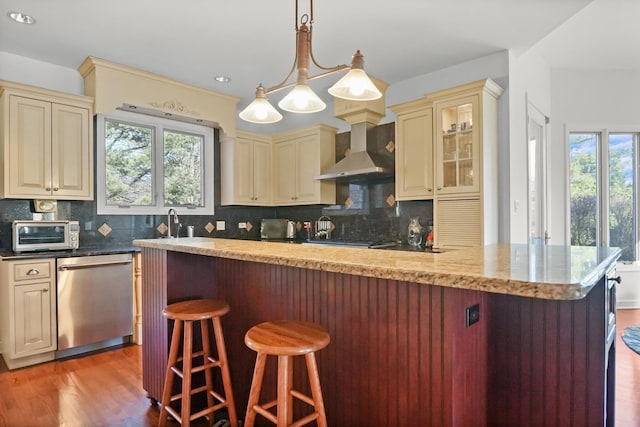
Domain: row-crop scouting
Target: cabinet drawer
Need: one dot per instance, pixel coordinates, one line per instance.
(32, 270)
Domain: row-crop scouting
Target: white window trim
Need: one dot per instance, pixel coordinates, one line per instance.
(158, 208)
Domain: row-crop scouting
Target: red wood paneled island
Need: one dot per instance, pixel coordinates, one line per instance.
(402, 352)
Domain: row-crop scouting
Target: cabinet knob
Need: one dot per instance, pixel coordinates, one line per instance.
(429, 189)
(439, 188)
(55, 188)
(47, 188)
(32, 272)
(45, 290)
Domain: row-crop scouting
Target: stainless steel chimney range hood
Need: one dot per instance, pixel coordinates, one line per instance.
(362, 162)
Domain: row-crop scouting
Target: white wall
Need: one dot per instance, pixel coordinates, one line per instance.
(593, 98)
(28, 71)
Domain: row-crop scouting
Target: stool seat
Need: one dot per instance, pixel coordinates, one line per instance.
(186, 313)
(287, 338)
(199, 309)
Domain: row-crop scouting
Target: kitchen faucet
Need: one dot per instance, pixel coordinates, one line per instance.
(176, 220)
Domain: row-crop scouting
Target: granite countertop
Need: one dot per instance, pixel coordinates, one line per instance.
(8, 255)
(546, 272)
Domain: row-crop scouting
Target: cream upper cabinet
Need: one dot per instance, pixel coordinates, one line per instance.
(249, 181)
(29, 333)
(466, 137)
(298, 157)
(458, 143)
(414, 150)
(46, 144)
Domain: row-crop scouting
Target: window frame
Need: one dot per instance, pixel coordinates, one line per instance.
(602, 180)
(159, 125)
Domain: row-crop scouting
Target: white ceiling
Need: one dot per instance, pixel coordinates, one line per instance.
(252, 41)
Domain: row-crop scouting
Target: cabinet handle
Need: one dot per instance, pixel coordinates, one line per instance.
(45, 290)
(617, 279)
(32, 272)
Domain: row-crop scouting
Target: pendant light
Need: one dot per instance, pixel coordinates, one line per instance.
(354, 86)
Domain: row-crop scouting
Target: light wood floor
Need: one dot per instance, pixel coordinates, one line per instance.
(105, 389)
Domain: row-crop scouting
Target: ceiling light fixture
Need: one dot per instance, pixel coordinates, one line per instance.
(21, 18)
(355, 85)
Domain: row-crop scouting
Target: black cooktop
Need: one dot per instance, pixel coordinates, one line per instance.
(372, 244)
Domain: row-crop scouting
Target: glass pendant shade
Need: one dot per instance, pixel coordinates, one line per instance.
(260, 110)
(302, 100)
(355, 86)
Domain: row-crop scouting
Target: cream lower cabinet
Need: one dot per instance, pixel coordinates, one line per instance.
(28, 319)
(46, 144)
(298, 157)
(248, 181)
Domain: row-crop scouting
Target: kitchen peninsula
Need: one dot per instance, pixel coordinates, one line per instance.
(497, 336)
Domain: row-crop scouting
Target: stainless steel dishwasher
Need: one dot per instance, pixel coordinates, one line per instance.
(95, 299)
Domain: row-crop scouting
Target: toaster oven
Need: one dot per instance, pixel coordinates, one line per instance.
(45, 235)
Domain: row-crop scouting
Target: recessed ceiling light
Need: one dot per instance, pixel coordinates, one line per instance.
(223, 79)
(21, 18)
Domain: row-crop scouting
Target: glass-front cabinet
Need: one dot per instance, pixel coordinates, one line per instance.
(457, 146)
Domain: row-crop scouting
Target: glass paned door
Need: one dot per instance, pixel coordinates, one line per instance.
(457, 146)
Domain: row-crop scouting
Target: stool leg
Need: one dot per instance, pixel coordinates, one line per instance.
(168, 380)
(256, 385)
(206, 354)
(224, 368)
(285, 399)
(316, 392)
(187, 360)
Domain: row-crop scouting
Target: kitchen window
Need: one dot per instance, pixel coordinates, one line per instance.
(604, 190)
(148, 164)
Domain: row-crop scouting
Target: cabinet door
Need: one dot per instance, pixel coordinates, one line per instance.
(29, 148)
(262, 177)
(458, 146)
(414, 155)
(284, 154)
(71, 153)
(306, 163)
(34, 314)
(243, 171)
(458, 223)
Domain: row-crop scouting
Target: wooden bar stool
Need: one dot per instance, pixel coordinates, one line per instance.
(187, 312)
(286, 338)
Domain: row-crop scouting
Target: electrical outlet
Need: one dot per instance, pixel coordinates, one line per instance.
(242, 225)
(472, 315)
(220, 225)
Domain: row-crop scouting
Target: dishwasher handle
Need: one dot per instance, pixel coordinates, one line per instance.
(66, 267)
